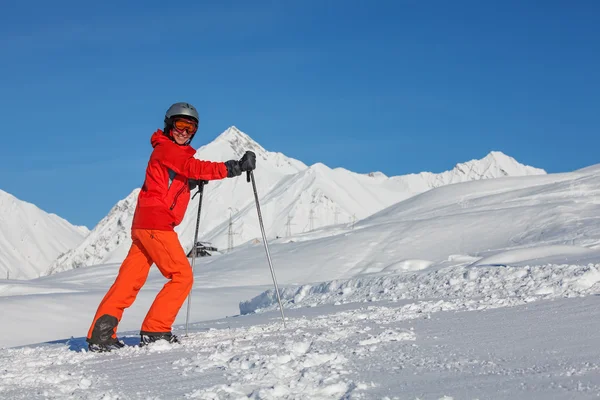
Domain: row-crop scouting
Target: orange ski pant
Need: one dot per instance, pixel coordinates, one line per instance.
(150, 246)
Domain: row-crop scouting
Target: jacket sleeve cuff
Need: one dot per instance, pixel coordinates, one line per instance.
(233, 168)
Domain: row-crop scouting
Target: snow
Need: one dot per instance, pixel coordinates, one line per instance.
(375, 351)
(483, 288)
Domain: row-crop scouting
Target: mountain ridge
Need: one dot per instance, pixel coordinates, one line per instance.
(294, 198)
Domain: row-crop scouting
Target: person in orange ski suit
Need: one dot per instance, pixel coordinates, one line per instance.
(162, 202)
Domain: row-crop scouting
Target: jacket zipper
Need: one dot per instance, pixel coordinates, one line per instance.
(176, 196)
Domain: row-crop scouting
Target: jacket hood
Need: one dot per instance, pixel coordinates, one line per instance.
(159, 137)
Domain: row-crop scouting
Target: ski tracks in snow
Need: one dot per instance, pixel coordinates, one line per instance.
(432, 350)
(311, 359)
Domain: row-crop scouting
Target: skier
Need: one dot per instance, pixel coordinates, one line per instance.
(171, 173)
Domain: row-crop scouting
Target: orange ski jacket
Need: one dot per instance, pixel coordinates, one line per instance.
(165, 194)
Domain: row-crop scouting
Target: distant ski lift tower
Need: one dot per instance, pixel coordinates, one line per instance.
(230, 232)
(311, 219)
(288, 230)
(335, 218)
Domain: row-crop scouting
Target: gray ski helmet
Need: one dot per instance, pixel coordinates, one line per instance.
(183, 109)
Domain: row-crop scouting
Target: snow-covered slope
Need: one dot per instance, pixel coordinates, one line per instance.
(456, 286)
(294, 199)
(448, 243)
(438, 350)
(451, 225)
(30, 238)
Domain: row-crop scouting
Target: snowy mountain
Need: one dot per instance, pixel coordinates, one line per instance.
(294, 199)
(320, 196)
(30, 238)
(494, 165)
(107, 236)
(110, 240)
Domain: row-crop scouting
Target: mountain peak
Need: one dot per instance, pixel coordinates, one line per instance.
(233, 132)
(499, 157)
(238, 141)
(233, 143)
(497, 164)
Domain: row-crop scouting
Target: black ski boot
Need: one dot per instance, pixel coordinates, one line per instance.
(150, 337)
(102, 340)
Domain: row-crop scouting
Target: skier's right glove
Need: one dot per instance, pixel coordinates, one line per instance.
(193, 183)
(233, 168)
(248, 161)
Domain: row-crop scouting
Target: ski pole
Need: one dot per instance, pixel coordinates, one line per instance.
(250, 177)
(194, 248)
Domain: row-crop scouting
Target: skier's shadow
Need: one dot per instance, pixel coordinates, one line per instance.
(78, 344)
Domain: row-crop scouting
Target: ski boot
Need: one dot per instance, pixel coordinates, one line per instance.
(102, 339)
(146, 338)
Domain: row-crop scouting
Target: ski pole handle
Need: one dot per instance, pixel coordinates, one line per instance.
(248, 176)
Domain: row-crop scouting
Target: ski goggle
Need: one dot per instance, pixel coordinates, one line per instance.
(185, 125)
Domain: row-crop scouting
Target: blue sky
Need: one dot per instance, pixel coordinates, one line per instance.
(392, 86)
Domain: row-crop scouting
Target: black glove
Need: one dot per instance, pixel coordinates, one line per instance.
(248, 161)
(233, 168)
